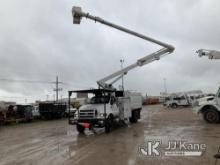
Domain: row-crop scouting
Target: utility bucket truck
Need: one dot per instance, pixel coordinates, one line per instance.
(209, 107)
(106, 109)
(110, 105)
(182, 99)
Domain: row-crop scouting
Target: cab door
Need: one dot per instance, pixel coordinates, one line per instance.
(114, 107)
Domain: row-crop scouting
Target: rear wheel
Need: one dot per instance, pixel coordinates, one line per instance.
(211, 116)
(107, 127)
(80, 128)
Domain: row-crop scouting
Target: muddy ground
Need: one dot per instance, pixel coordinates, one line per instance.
(56, 142)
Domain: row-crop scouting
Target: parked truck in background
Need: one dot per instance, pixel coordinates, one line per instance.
(3, 109)
(52, 110)
(182, 99)
(18, 113)
(209, 108)
(177, 101)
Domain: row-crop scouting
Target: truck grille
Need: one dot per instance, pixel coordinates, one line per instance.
(87, 114)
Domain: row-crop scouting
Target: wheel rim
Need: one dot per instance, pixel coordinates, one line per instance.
(211, 116)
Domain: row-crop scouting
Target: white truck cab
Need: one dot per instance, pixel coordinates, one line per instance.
(107, 108)
(209, 108)
(95, 107)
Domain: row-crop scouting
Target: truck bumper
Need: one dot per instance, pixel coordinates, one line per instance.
(92, 122)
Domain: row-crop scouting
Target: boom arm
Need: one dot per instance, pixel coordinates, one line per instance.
(212, 54)
(167, 49)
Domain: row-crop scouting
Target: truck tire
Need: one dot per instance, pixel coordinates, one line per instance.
(134, 117)
(80, 128)
(211, 116)
(109, 124)
(174, 105)
(107, 127)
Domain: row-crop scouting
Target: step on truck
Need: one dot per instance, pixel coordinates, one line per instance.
(107, 109)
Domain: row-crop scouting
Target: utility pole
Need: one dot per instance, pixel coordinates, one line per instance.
(165, 86)
(122, 78)
(57, 89)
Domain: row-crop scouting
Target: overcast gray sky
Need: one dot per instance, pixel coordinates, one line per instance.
(38, 41)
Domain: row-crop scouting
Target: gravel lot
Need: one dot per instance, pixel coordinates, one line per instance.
(56, 142)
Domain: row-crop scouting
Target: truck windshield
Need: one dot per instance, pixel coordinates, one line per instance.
(100, 100)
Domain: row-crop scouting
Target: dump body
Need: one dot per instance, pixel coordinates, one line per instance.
(52, 110)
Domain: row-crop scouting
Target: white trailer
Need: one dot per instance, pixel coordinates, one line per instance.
(110, 105)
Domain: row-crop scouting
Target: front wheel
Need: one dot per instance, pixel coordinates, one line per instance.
(211, 116)
(109, 124)
(107, 127)
(174, 105)
(80, 128)
(134, 117)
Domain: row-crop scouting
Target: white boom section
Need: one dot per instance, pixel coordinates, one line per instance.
(212, 54)
(167, 49)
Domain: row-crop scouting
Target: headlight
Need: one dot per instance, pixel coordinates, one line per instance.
(102, 114)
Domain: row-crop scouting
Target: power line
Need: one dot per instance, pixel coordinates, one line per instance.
(32, 96)
(25, 81)
(40, 82)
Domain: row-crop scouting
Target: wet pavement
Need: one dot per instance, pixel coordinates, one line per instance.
(56, 142)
